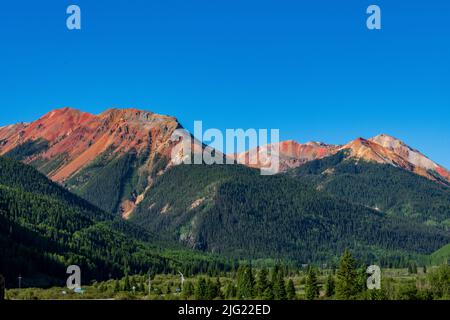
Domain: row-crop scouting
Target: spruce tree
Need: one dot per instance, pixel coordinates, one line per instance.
(440, 282)
(245, 282)
(330, 286)
(274, 273)
(312, 285)
(262, 283)
(361, 285)
(414, 268)
(230, 291)
(116, 286)
(268, 293)
(290, 290)
(188, 289)
(346, 277)
(201, 289)
(218, 286)
(279, 287)
(210, 290)
(126, 283)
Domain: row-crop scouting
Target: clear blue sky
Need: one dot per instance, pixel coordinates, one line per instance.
(310, 68)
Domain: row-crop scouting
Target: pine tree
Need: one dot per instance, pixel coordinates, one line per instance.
(262, 283)
(361, 285)
(245, 282)
(290, 290)
(211, 290)
(274, 273)
(230, 291)
(414, 268)
(116, 286)
(279, 287)
(330, 286)
(200, 289)
(126, 284)
(410, 269)
(346, 277)
(312, 285)
(219, 289)
(440, 282)
(268, 293)
(424, 269)
(188, 289)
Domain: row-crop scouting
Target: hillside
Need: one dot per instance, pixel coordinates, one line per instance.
(79, 150)
(441, 256)
(44, 229)
(382, 187)
(232, 210)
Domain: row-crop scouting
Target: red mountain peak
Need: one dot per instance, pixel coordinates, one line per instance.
(81, 137)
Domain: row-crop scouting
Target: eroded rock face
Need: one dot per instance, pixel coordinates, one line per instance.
(73, 148)
(386, 149)
(421, 164)
(291, 154)
(77, 138)
(382, 149)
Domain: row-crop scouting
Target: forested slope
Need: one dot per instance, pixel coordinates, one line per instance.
(235, 211)
(383, 187)
(44, 229)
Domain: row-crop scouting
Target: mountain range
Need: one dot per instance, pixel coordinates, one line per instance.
(379, 197)
(382, 149)
(77, 149)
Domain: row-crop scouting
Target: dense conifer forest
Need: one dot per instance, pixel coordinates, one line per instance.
(385, 188)
(45, 228)
(234, 211)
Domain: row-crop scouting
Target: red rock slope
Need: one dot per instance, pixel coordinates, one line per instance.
(382, 149)
(82, 137)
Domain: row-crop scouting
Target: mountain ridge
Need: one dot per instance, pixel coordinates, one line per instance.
(121, 151)
(67, 145)
(83, 136)
(383, 149)
(121, 162)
